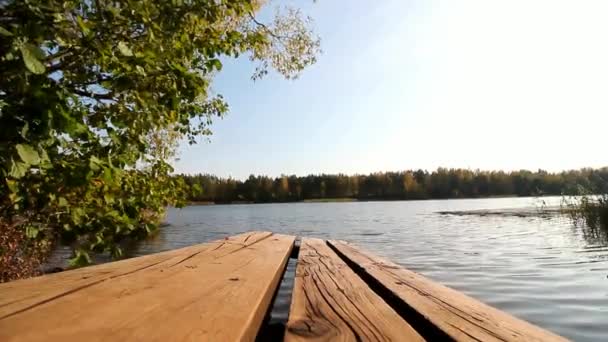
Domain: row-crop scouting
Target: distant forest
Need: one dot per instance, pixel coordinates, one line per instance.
(404, 185)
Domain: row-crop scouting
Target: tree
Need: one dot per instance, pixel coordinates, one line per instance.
(95, 93)
(419, 184)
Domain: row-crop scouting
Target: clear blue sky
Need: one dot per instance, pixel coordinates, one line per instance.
(488, 84)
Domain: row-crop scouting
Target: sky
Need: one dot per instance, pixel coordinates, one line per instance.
(488, 84)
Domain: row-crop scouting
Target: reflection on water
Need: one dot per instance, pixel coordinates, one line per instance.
(593, 235)
(544, 270)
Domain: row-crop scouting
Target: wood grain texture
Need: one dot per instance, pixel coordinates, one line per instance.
(459, 316)
(219, 292)
(23, 294)
(331, 303)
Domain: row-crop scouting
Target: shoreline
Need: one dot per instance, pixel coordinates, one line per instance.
(350, 199)
(515, 212)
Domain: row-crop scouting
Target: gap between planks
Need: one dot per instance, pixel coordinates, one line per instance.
(431, 306)
(330, 302)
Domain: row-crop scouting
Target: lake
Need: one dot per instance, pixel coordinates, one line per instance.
(542, 269)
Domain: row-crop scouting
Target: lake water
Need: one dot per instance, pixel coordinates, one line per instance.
(543, 270)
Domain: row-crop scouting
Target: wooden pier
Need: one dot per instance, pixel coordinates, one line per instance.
(223, 291)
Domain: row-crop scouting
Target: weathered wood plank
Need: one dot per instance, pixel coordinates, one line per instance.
(219, 293)
(459, 316)
(23, 294)
(330, 302)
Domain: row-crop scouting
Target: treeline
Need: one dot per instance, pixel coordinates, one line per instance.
(404, 185)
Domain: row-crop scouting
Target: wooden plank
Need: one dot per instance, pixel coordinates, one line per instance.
(459, 316)
(220, 294)
(23, 294)
(330, 302)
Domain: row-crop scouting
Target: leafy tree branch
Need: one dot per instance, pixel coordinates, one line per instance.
(94, 96)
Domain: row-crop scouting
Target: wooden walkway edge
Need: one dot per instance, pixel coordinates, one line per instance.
(331, 303)
(222, 291)
(444, 311)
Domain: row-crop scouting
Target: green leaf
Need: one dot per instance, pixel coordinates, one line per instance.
(84, 26)
(108, 198)
(44, 157)
(81, 258)
(124, 49)
(29, 52)
(113, 213)
(5, 32)
(140, 70)
(216, 64)
(106, 176)
(28, 154)
(24, 130)
(76, 215)
(116, 252)
(12, 185)
(31, 232)
(14, 198)
(18, 170)
(94, 163)
(63, 202)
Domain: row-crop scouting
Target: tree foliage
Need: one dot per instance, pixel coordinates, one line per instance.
(94, 94)
(412, 184)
